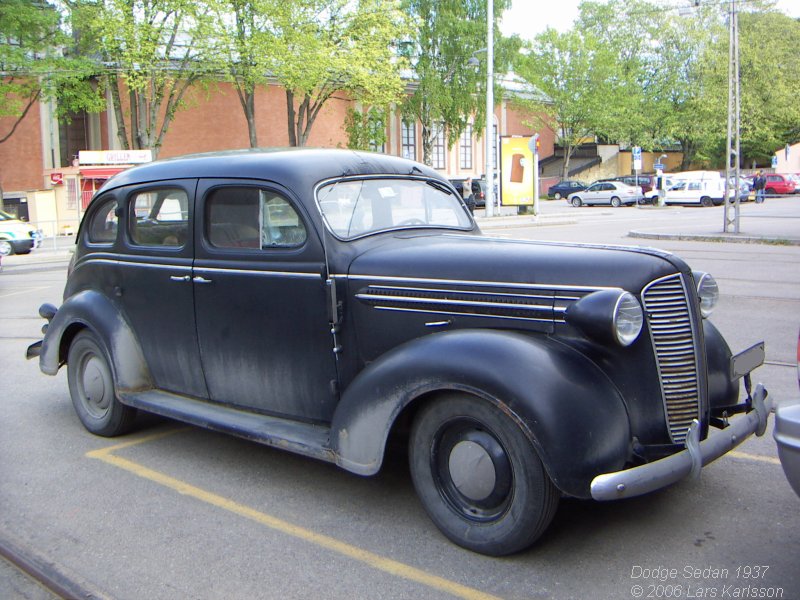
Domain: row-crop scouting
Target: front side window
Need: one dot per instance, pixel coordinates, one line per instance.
(354, 208)
(160, 217)
(248, 217)
(103, 223)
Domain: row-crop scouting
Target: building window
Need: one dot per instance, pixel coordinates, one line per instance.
(465, 148)
(438, 157)
(409, 141)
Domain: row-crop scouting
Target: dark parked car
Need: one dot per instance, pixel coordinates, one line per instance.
(323, 301)
(565, 188)
(478, 190)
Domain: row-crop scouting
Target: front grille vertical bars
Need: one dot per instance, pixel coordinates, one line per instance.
(666, 304)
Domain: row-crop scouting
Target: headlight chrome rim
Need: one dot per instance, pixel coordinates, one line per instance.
(707, 293)
(628, 319)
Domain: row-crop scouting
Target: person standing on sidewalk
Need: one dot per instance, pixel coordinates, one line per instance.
(467, 195)
(759, 182)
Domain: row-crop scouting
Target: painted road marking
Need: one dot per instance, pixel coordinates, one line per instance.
(371, 559)
(757, 457)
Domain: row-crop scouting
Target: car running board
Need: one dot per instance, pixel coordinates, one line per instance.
(300, 438)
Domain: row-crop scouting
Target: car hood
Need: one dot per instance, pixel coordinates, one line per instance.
(471, 258)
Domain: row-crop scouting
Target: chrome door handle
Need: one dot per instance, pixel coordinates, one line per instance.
(199, 279)
(179, 278)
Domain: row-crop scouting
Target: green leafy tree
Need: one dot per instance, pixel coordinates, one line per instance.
(572, 78)
(320, 48)
(449, 92)
(769, 72)
(245, 38)
(151, 52)
(33, 66)
(366, 130)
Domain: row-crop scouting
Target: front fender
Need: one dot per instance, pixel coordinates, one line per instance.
(92, 310)
(570, 410)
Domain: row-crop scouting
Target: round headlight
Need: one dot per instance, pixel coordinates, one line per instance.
(707, 292)
(628, 319)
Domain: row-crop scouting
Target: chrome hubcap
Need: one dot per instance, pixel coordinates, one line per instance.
(95, 389)
(472, 470)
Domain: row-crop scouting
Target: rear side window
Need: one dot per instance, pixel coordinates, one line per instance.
(103, 224)
(160, 217)
(248, 217)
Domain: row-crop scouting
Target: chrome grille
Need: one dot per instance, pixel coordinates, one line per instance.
(666, 304)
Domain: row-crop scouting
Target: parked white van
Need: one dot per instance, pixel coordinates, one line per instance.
(706, 188)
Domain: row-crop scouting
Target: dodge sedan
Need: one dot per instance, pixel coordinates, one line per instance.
(325, 301)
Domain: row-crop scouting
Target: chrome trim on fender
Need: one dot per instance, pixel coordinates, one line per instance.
(500, 284)
(661, 473)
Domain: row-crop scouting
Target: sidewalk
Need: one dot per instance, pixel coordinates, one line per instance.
(781, 227)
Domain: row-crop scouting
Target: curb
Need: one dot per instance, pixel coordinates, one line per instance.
(718, 238)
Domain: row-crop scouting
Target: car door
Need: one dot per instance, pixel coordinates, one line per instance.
(156, 292)
(262, 303)
(592, 194)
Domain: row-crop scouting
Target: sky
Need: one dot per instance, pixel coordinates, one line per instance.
(528, 17)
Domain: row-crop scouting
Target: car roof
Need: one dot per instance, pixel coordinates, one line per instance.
(295, 167)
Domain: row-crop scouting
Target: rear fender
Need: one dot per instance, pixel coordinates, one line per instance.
(569, 409)
(94, 311)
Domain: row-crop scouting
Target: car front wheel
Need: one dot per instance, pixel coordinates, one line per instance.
(616, 202)
(479, 477)
(576, 202)
(91, 385)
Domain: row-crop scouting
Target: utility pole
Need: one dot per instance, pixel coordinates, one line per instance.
(731, 209)
(490, 166)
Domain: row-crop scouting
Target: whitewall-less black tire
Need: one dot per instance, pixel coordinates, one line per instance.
(91, 385)
(479, 476)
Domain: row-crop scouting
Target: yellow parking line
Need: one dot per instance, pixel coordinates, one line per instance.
(375, 561)
(757, 457)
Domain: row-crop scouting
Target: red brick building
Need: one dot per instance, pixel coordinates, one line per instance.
(41, 154)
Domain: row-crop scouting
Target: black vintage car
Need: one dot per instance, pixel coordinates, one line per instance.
(321, 301)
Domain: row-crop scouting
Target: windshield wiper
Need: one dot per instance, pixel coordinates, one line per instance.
(439, 186)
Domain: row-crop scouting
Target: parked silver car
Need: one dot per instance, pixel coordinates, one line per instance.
(787, 434)
(615, 193)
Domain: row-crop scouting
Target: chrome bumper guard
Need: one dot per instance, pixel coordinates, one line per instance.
(666, 471)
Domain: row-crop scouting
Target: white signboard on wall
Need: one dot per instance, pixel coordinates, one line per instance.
(114, 157)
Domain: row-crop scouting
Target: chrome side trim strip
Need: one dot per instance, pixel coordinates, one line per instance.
(466, 314)
(501, 284)
(445, 302)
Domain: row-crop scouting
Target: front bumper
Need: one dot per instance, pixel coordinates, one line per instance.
(666, 471)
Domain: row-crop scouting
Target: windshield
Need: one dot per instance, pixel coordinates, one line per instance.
(357, 207)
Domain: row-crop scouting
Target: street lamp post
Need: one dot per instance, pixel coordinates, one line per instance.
(489, 108)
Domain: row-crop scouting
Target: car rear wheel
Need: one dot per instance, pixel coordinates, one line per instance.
(479, 477)
(616, 202)
(557, 195)
(91, 385)
(5, 248)
(706, 201)
(576, 202)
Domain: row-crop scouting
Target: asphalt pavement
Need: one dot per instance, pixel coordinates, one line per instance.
(781, 228)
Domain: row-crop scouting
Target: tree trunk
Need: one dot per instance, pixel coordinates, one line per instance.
(290, 117)
(250, 115)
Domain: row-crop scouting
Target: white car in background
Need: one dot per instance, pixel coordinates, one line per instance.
(614, 193)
